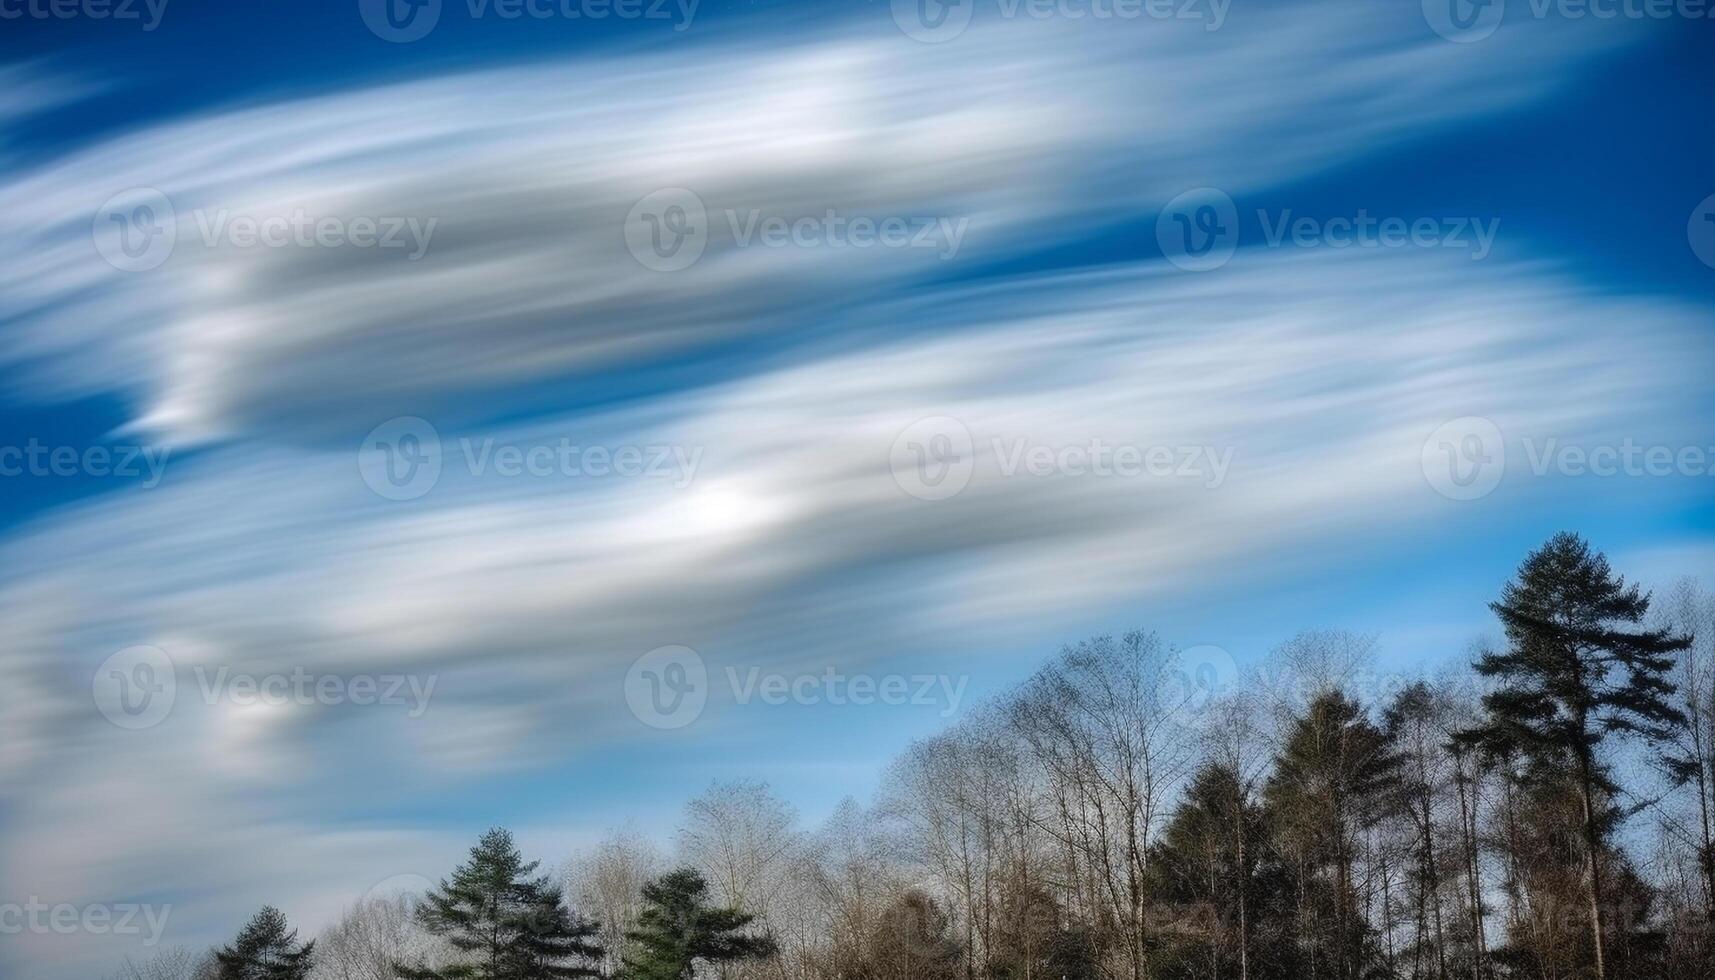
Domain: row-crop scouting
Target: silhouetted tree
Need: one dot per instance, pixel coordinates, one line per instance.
(1336, 776)
(1577, 671)
(1215, 865)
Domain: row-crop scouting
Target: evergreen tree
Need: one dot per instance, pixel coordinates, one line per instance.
(1214, 864)
(677, 928)
(1577, 669)
(1336, 776)
(266, 949)
(1036, 939)
(508, 925)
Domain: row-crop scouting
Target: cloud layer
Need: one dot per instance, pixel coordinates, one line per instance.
(1032, 132)
(1302, 386)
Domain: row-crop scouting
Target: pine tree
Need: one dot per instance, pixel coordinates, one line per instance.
(1336, 776)
(266, 949)
(677, 928)
(1577, 670)
(508, 925)
(1213, 863)
(1039, 938)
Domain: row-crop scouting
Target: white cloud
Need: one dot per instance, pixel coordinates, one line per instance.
(528, 597)
(1035, 132)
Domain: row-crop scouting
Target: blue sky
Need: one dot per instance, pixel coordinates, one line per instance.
(797, 377)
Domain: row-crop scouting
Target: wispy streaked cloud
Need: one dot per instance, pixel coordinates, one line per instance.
(1031, 132)
(1308, 381)
(528, 598)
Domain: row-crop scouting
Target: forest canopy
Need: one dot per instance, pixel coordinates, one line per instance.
(1540, 810)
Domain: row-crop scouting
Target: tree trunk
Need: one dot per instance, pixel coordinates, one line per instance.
(1706, 859)
(1468, 830)
(1244, 893)
(1592, 849)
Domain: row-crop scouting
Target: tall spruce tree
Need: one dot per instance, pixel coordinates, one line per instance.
(1577, 670)
(508, 924)
(677, 928)
(266, 949)
(1336, 776)
(1213, 863)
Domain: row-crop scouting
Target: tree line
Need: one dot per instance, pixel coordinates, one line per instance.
(1545, 811)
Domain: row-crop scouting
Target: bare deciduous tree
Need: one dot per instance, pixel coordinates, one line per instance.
(607, 885)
